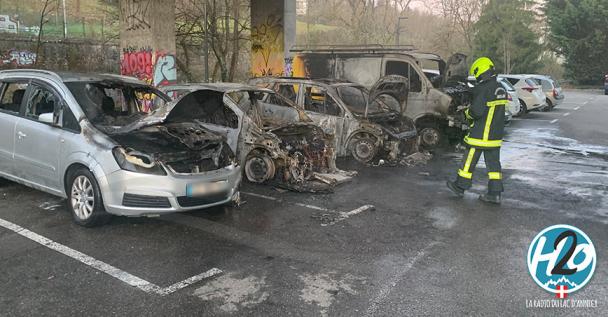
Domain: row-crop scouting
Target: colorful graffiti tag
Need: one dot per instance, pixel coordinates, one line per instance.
(154, 67)
(19, 58)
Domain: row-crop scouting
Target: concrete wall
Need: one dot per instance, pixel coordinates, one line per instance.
(59, 55)
(147, 40)
(273, 25)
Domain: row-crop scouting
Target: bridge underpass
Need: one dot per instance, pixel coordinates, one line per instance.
(148, 48)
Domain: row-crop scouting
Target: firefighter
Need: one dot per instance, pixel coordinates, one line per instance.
(486, 113)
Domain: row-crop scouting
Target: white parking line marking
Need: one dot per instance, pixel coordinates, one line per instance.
(577, 107)
(280, 200)
(117, 273)
(566, 114)
(554, 120)
(346, 215)
(386, 288)
(342, 214)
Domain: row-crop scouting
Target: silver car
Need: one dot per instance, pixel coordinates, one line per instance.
(110, 145)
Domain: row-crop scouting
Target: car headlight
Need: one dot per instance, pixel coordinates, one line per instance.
(136, 162)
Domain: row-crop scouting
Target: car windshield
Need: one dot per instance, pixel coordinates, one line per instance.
(115, 104)
(531, 82)
(356, 99)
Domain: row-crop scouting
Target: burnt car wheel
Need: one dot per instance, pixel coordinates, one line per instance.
(430, 137)
(363, 149)
(259, 167)
(84, 199)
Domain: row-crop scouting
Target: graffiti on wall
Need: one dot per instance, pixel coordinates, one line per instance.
(288, 70)
(135, 14)
(267, 38)
(19, 58)
(154, 67)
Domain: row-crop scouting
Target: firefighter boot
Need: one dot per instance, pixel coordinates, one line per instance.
(455, 189)
(491, 198)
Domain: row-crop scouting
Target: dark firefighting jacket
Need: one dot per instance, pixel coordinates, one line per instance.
(487, 111)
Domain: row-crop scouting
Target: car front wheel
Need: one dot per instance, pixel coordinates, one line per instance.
(84, 199)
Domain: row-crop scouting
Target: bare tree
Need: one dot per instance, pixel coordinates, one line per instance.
(47, 9)
(462, 15)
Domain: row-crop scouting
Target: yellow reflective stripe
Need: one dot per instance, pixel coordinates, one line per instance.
(467, 163)
(495, 175)
(464, 174)
(482, 143)
(486, 130)
(497, 103)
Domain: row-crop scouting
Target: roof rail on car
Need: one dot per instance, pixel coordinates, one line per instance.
(32, 70)
(370, 48)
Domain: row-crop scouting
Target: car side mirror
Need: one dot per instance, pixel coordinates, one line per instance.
(46, 118)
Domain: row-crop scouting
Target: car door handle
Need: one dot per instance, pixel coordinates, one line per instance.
(21, 135)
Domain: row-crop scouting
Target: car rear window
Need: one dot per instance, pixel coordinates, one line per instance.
(509, 85)
(531, 82)
(513, 81)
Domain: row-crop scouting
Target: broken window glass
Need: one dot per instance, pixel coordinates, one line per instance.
(109, 103)
(406, 70)
(316, 99)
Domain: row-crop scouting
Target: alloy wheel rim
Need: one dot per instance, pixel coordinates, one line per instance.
(82, 197)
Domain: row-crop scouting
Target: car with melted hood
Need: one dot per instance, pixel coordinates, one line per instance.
(110, 145)
(435, 104)
(367, 125)
(274, 141)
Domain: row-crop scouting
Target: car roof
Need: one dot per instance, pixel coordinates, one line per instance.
(319, 81)
(221, 87)
(70, 76)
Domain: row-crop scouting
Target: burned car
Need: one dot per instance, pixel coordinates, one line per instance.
(436, 107)
(110, 145)
(275, 142)
(369, 126)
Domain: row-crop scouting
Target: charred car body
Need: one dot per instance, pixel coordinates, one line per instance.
(366, 125)
(434, 106)
(274, 141)
(110, 145)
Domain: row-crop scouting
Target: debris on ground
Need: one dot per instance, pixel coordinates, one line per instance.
(416, 159)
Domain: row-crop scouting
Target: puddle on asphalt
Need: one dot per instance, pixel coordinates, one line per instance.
(323, 289)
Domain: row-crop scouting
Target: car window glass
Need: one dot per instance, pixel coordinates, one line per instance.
(69, 121)
(513, 81)
(13, 96)
(508, 85)
(289, 91)
(41, 101)
(354, 98)
(406, 70)
(546, 85)
(316, 99)
(276, 99)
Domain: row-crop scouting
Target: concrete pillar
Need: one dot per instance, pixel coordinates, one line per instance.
(273, 33)
(147, 40)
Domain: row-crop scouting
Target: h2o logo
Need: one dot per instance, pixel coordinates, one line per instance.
(561, 259)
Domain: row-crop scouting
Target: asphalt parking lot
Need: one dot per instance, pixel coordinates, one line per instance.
(392, 242)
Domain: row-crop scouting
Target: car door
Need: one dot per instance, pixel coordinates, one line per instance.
(38, 137)
(324, 111)
(11, 97)
(418, 91)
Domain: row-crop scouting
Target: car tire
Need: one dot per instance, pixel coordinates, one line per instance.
(363, 148)
(84, 198)
(549, 106)
(523, 109)
(259, 167)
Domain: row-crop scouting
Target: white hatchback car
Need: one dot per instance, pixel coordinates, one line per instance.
(531, 96)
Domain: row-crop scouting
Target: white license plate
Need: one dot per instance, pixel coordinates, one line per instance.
(202, 189)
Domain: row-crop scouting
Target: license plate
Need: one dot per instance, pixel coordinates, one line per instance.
(202, 189)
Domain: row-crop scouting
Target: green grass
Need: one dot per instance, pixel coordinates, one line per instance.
(301, 27)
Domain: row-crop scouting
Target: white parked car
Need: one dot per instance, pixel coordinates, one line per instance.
(514, 106)
(551, 89)
(531, 96)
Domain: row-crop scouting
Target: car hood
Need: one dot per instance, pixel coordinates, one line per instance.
(185, 109)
